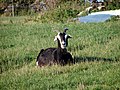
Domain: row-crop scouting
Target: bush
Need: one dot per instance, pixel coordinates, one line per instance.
(59, 15)
(62, 13)
(114, 18)
(114, 5)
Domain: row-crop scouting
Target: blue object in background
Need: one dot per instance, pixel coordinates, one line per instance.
(95, 18)
(100, 0)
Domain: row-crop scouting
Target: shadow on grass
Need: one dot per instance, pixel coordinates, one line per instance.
(91, 59)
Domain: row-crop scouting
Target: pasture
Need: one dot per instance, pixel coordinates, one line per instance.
(94, 46)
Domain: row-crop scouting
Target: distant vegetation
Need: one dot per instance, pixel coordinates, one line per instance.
(114, 18)
(50, 10)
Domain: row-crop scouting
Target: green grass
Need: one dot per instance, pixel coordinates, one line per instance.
(98, 44)
(86, 75)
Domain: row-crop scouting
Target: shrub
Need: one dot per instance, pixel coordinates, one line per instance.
(114, 18)
(115, 4)
(59, 15)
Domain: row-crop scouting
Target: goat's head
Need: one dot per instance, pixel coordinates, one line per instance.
(62, 39)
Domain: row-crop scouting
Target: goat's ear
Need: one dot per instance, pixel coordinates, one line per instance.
(69, 36)
(65, 30)
(55, 39)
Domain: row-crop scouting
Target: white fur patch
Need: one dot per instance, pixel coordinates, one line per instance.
(37, 63)
(62, 43)
(66, 37)
(63, 46)
(55, 39)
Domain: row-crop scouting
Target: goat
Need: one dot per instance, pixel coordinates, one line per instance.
(58, 55)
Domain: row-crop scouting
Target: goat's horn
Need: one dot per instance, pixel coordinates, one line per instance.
(56, 31)
(65, 30)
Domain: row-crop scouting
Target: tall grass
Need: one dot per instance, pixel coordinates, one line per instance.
(21, 42)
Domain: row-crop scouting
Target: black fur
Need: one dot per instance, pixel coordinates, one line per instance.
(58, 55)
(45, 57)
(62, 57)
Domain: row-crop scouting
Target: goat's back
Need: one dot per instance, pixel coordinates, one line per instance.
(45, 57)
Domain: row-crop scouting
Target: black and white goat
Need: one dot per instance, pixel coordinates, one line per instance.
(58, 55)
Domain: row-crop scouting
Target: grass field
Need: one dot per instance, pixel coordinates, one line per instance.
(94, 46)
